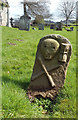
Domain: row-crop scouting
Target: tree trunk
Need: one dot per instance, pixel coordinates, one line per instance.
(66, 22)
(25, 13)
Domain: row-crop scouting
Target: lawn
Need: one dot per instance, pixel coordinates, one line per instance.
(18, 56)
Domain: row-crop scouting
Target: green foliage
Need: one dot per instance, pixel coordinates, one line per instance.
(39, 19)
(61, 107)
(17, 66)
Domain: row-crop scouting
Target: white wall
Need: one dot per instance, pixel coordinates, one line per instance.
(3, 15)
(77, 12)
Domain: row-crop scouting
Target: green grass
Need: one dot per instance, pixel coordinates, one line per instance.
(17, 66)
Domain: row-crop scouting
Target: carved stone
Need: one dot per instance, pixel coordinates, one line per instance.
(49, 72)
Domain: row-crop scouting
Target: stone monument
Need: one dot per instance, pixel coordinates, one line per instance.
(49, 71)
(41, 26)
(52, 26)
(58, 26)
(24, 23)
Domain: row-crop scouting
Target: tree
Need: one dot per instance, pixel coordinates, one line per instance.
(37, 8)
(39, 19)
(66, 9)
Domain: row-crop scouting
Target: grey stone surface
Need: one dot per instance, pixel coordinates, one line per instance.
(41, 26)
(58, 26)
(24, 23)
(52, 26)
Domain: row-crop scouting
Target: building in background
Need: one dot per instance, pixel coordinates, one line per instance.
(77, 12)
(4, 13)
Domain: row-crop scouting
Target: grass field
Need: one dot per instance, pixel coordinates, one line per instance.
(18, 56)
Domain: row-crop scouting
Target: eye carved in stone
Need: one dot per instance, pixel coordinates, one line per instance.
(53, 47)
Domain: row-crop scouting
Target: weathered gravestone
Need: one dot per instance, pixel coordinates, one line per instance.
(58, 26)
(71, 28)
(24, 23)
(41, 26)
(49, 72)
(52, 26)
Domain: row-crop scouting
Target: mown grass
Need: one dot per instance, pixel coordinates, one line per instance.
(17, 66)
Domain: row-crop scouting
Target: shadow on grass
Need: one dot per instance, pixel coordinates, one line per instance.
(23, 84)
(47, 104)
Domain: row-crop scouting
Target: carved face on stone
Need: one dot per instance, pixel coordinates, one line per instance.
(49, 47)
